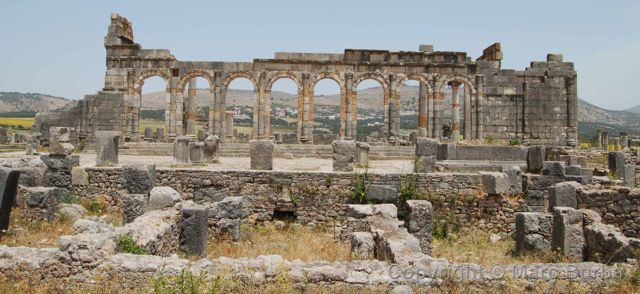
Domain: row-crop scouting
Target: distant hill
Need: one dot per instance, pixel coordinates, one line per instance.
(635, 109)
(14, 103)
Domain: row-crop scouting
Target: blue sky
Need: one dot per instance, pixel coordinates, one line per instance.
(56, 47)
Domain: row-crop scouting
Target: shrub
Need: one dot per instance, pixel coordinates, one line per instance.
(362, 182)
(126, 244)
(408, 189)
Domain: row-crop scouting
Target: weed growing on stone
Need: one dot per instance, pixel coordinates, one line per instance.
(408, 189)
(126, 244)
(361, 185)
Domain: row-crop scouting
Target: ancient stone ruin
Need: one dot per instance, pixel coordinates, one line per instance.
(133, 206)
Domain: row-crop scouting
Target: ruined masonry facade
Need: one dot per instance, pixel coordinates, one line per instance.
(537, 105)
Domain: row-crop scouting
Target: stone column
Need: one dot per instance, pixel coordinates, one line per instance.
(106, 148)
(430, 118)
(218, 117)
(264, 107)
(343, 113)
(135, 117)
(422, 110)
(437, 109)
(393, 132)
(350, 94)
(467, 112)
(212, 110)
(572, 111)
(228, 125)
(480, 107)
(605, 141)
(455, 103)
(526, 138)
(305, 134)
(624, 140)
(190, 105)
(599, 138)
(311, 118)
(181, 150)
(221, 115)
(180, 115)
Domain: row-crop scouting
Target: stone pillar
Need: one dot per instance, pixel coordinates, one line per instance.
(211, 148)
(362, 154)
(616, 164)
(222, 116)
(572, 111)
(480, 107)
(438, 103)
(393, 132)
(191, 108)
(218, 107)
(8, 188)
(196, 152)
(304, 132)
(343, 155)
(261, 152)
(535, 158)
(106, 148)
(567, 234)
(426, 155)
(194, 229)
(616, 144)
(228, 125)
(160, 134)
(422, 110)
(455, 103)
(419, 222)
(533, 232)
(526, 138)
(135, 117)
(181, 150)
(630, 175)
(148, 134)
(351, 95)
(564, 194)
(605, 141)
(624, 140)
(343, 114)
(263, 110)
(599, 138)
(467, 112)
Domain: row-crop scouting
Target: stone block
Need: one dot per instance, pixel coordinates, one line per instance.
(229, 228)
(106, 148)
(229, 208)
(426, 146)
(261, 152)
(573, 170)
(59, 134)
(630, 175)
(382, 193)
(564, 195)
(194, 229)
(359, 211)
(553, 168)
(139, 178)
(495, 183)
(60, 163)
(42, 202)
(9, 179)
(181, 150)
(535, 158)
(362, 154)
(211, 148)
(196, 152)
(148, 134)
(60, 148)
(160, 134)
(567, 235)
(533, 232)
(514, 178)
(616, 164)
(419, 222)
(446, 151)
(343, 155)
(79, 177)
(163, 197)
(133, 206)
(362, 245)
(425, 164)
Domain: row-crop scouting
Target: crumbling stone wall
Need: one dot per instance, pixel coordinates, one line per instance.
(321, 198)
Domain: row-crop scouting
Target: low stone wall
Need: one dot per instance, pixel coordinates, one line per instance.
(618, 206)
(321, 198)
(481, 152)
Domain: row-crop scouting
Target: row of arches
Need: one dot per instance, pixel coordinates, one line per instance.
(367, 105)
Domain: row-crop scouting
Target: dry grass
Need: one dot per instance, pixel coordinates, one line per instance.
(291, 243)
(473, 246)
(41, 234)
(24, 122)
